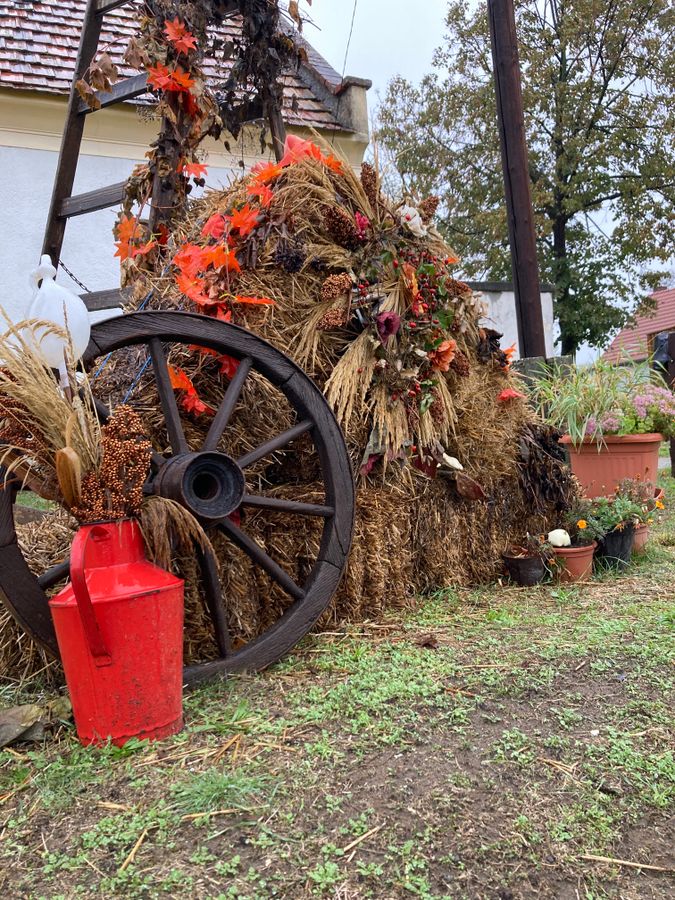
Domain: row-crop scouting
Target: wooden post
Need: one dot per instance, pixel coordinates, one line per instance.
(671, 382)
(516, 178)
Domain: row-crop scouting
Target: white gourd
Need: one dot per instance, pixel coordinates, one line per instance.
(559, 538)
(52, 302)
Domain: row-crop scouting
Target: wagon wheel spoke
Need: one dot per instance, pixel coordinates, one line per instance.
(227, 405)
(289, 506)
(213, 594)
(167, 398)
(258, 555)
(55, 574)
(275, 443)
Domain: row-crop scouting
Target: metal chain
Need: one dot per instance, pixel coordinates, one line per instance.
(74, 277)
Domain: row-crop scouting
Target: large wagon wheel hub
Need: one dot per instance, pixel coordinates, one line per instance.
(212, 485)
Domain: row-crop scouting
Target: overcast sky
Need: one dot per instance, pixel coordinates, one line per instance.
(390, 37)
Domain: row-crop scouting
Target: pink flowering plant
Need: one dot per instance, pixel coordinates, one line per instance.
(603, 399)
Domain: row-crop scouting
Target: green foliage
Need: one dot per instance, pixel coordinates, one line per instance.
(600, 132)
(614, 513)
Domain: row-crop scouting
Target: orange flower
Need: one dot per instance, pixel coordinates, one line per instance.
(660, 504)
(581, 524)
(443, 355)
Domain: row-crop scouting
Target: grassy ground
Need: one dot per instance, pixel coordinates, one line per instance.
(488, 745)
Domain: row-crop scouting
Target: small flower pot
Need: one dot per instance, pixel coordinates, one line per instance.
(641, 538)
(601, 465)
(576, 562)
(525, 570)
(616, 548)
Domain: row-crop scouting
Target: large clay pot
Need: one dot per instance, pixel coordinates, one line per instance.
(616, 548)
(525, 570)
(577, 562)
(600, 466)
(641, 538)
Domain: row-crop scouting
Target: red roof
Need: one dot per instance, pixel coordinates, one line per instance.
(39, 41)
(634, 342)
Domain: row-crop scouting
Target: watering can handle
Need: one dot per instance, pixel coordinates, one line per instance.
(79, 581)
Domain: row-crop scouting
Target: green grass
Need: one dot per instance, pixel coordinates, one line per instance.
(536, 727)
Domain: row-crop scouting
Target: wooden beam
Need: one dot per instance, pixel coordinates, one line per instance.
(111, 299)
(123, 90)
(508, 91)
(101, 198)
(671, 383)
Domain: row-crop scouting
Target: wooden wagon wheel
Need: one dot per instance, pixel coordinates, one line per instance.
(212, 485)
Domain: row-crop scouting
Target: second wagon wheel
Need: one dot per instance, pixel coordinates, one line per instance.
(213, 485)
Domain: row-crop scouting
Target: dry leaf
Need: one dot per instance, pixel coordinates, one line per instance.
(468, 488)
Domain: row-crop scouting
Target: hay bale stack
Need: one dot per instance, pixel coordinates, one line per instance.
(364, 299)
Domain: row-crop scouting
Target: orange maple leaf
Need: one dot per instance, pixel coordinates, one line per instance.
(243, 220)
(220, 256)
(214, 227)
(333, 163)
(255, 301)
(179, 36)
(194, 169)
(180, 380)
(264, 172)
(192, 403)
(223, 315)
(262, 192)
(180, 81)
(127, 228)
(124, 249)
(143, 249)
(189, 259)
(159, 77)
(192, 288)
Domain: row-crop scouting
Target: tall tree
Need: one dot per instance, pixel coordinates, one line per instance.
(598, 88)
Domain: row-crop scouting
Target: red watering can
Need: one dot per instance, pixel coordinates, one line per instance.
(119, 626)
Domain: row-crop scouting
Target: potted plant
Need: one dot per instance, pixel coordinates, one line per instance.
(575, 543)
(617, 517)
(613, 421)
(648, 499)
(528, 561)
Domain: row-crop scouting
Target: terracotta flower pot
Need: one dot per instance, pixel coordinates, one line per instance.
(600, 466)
(525, 570)
(577, 562)
(641, 538)
(616, 547)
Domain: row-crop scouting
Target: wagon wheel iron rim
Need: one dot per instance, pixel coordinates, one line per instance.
(212, 485)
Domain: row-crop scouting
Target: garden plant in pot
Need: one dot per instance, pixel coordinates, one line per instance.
(574, 543)
(613, 420)
(617, 517)
(528, 561)
(119, 621)
(649, 501)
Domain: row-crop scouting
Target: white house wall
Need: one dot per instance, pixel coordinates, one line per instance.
(501, 315)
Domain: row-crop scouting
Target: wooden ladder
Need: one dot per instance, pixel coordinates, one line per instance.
(64, 205)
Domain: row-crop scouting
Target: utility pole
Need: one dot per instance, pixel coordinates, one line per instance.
(516, 178)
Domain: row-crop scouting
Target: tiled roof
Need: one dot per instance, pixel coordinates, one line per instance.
(634, 342)
(39, 41)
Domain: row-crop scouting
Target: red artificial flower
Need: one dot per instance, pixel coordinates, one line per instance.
(179, 36)
(443, 355)
(214, 227)
(510, 394)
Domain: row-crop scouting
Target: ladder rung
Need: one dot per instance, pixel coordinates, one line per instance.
(123, 90)
(101, 198)
(106, 6)
(110, 299)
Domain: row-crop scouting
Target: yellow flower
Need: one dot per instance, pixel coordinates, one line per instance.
(660, 504)
(582, 523)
